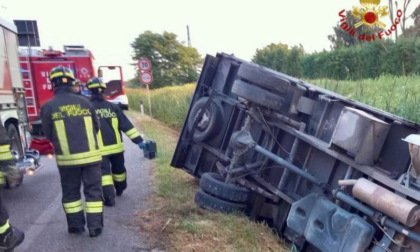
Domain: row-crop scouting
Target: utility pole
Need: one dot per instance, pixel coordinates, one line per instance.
(188, 35)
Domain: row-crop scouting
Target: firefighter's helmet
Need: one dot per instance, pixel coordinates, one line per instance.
(62, 76)
(96, 85)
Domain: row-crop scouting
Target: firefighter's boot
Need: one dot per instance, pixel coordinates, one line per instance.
(109, 201)
(95, 232)
(119, 192)
(11, 239)
(76, 230)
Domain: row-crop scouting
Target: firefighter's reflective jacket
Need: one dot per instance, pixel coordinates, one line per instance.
(113, 121)
(69, 121)
(5, 155)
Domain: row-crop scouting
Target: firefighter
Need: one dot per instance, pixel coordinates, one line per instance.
(76, 87)
(69, 121)
(112, 121)
(10, 237)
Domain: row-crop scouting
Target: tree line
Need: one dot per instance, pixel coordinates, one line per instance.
(174, 63)
(350, 57)
(368, 60)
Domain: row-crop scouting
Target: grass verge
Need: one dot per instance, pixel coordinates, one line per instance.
(175, 223)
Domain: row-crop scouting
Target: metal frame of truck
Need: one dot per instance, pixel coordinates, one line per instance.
(301, 158)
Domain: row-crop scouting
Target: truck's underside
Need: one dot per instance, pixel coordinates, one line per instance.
(328, 173)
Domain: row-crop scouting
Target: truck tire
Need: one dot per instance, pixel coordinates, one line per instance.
(263, 78)
(209, 125)
(15, 144)
(213, 184)
(211, 203)
(257, 95)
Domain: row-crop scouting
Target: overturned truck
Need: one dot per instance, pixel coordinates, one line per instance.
(326, 172)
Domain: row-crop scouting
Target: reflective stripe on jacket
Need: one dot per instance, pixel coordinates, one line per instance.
(69, 121)
(113, 122)
(5, 154)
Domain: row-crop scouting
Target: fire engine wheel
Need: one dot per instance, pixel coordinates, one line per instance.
(213, 184)
(263, 78)
(17, 149)
(212, 203)
(209, 124)
(257, 95)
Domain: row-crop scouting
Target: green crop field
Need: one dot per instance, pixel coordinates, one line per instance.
(169, 104)
(397, 95)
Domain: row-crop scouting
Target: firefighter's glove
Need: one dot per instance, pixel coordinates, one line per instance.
(142, 145)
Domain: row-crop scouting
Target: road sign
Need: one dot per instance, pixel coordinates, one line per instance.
(144, 64)
(146, 78)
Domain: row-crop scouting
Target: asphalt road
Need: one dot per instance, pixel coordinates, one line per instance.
(35, 207)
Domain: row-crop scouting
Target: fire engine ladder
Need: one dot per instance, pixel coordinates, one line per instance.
(28, 84)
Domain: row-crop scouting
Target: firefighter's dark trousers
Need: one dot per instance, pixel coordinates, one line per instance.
(4, 216)
(71, 180)
(113, 175)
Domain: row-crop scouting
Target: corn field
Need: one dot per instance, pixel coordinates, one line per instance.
(169, 104)
(397, 95)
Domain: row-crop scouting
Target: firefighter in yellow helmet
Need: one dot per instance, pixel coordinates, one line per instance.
(10, 237)
(69, 121)
(112, 121)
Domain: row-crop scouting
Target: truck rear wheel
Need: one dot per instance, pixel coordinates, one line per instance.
(211, 203)
(214, 184)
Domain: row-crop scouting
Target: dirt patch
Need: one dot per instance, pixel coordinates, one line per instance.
(153, 223)
(139, 120)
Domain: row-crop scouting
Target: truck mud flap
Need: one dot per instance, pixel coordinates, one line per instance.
(326, 226)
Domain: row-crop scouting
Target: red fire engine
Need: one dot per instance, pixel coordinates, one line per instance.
(36, 64)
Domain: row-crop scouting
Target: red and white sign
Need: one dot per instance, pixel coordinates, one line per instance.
(146, 78)
(144, 64)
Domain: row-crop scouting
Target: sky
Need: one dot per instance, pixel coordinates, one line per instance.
(238, 27)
